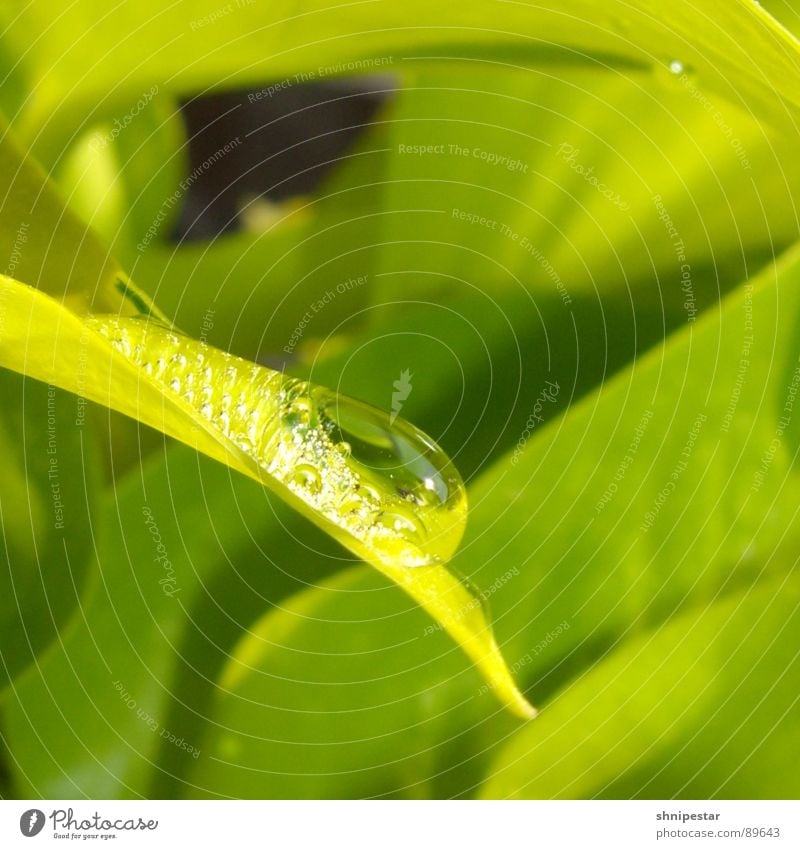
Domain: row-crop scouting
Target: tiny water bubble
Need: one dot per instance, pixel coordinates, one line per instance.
(308, 477)
(382, 487)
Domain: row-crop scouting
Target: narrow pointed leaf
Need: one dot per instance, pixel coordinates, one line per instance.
(383, 489)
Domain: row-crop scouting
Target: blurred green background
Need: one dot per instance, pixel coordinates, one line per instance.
(598, 197)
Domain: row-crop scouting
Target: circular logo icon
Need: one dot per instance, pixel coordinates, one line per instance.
(31, 822)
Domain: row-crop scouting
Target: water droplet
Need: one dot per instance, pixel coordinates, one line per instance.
(402, 520)
(383, 488)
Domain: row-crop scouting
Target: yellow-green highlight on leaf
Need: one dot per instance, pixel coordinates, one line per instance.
(385, 491)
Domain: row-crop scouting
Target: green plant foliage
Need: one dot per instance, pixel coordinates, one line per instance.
(565, 247)
(567, 183)
(692, 489)
(415, 730)
(48, 494)
(593, 590)
(677, 713)
(132, 369)
(193, 46)
(95, 717)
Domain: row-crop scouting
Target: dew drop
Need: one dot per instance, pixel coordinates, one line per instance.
(383, 488)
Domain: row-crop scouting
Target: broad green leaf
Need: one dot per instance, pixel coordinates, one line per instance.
(575, 532)
(736, 47)
(672, 484)
(603, 579)
(560, 604)
(307, 707)
(705, 707)
(188, 555)
(397, 501)
(576, 182)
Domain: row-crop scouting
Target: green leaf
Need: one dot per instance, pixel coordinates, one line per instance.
(117, 177)
(573, 183)
(179, 576)
(674, 483)
(48, 247)
(574, 532)
(295, 438)
(705, 707)
(736, 47)
(674, 486)
(346, 691)
(569, 584)
(48, 493)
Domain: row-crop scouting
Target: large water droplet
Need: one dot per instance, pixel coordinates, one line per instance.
(385, 489)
